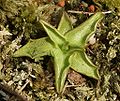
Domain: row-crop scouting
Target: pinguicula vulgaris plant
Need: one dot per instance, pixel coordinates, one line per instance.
(66, 45)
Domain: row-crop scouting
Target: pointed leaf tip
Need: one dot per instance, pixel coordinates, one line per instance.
(65, 24)
(82, 64)
(80, 35)
(35, 49)
(53, 33)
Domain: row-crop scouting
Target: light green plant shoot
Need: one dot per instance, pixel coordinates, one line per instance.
(67, 47)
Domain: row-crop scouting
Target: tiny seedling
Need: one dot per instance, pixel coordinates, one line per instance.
(66, 46)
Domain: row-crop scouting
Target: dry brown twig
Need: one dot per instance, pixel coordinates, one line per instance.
(5, 87)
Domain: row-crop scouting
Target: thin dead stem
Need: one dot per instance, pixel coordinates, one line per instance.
(5, 87)
(82, 12)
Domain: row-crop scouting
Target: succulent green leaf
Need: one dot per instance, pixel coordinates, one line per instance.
(35, 49)
(65, 24)
(82, 64)
(61, 68)
(79, 35)
(53, 33)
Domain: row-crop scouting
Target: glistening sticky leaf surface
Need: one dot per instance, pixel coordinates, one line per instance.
(66, 47)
